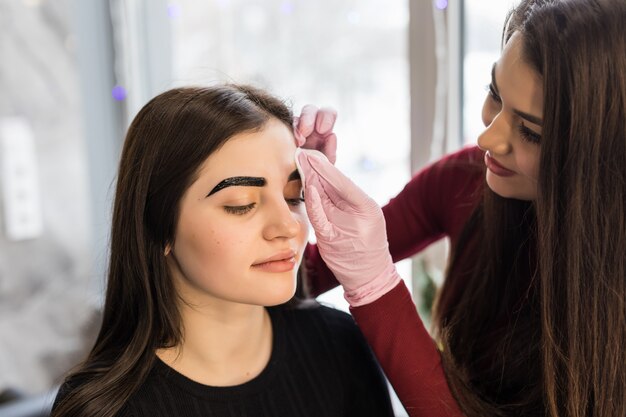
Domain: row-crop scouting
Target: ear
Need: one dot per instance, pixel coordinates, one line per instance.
(168, 249)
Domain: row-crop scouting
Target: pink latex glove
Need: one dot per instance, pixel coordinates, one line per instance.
(350, 230)
(313, 129)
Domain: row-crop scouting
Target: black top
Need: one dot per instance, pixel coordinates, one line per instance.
(320, 366)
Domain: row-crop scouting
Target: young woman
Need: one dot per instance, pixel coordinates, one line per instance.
(531, 319)
(208, 232)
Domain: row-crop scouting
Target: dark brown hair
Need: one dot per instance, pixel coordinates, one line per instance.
(166, 144)
(537, 324)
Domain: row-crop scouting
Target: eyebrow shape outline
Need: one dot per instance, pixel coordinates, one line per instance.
(248, 182)
(533, 119)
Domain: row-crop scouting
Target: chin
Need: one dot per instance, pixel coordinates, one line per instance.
(504, 190)
(276, 292)
(502, 193)
(277, 298)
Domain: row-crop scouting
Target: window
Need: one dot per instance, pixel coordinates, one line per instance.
(483, 31)
(350, 55)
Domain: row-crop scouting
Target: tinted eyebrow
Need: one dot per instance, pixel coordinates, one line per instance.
(239, 182)
(295, 175)
(533, 119)
(248, 182)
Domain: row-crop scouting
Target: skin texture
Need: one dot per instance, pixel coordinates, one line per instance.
(215, 257)
(517, 89)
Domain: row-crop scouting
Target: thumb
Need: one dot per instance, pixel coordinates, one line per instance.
(308, 173)
(315, 208)
(330, 147)
(303, 164)
(299, 138)
(339, 188)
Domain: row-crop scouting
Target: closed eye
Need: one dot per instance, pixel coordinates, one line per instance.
(493, 94)
(294, 193)
(528, 135)
(294, 201)
(240, 210)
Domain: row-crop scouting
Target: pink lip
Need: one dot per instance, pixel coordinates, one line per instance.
(496, 168)
(281, 262)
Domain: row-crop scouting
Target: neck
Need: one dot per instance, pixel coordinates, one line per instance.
(223, 345)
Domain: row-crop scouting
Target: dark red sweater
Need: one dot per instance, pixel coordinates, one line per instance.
(436, 203)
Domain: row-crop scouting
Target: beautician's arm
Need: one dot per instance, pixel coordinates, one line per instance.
(350, 231)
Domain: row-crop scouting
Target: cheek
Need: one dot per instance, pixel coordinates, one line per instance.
(529, 163)
(236, 244)
(301, 240)
(206, 248)
(206, 239)
(303, 234)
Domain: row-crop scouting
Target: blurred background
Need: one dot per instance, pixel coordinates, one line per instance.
(406, 77)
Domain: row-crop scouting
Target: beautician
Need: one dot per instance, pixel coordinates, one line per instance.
(531, 318)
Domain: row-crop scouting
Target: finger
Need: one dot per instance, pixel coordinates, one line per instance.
(306, 123)
(300, 159)
(306, 159)
(329, 148)
(299, 137)
(311, 174)
(308, 174)
(347, 197)
(303, 164)
(310, 179)
(315, 208)
(337, 186)
(325, 120)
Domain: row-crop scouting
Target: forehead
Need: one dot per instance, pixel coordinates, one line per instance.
(267, 152)
(518, 83)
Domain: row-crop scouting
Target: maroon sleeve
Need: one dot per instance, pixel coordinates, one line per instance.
(407, 354)
(318, 277)
(435, 203)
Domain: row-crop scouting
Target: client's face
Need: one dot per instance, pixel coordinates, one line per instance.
(242, 226)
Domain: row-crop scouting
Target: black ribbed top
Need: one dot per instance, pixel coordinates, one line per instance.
(320, 366)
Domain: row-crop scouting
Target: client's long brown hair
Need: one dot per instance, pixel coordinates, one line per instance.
(166, 144)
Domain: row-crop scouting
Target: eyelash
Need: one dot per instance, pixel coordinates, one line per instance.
(527, 134)
(295, 202)
(241, 210)
(493, 94)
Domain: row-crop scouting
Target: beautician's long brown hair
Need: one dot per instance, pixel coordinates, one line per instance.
(537, 327)
(166, 144)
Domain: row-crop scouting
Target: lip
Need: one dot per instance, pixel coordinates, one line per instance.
(281, 262)
(496, 168)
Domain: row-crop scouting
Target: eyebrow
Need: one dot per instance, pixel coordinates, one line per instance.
(533, 119)
(248, 182)
(295, 175)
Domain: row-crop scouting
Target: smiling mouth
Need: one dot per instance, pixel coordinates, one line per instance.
(496, 168)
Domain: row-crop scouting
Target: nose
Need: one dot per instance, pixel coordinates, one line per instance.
(281, 222)
(496, 137)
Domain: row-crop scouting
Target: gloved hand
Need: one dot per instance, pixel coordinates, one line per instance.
(350, 230)
(313, 129)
